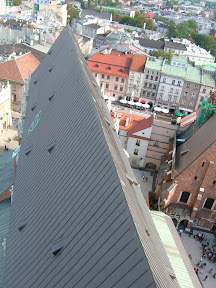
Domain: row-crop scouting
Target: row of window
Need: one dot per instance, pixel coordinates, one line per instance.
(138, 76)
(192, 96)
(150, 86)
(208, 204)
(174, 82)
(152, 78)
(115, 87)
(148, 94)
(191, 103)
(108, 77)
(137, 83)
(162, 88)
(170, 99)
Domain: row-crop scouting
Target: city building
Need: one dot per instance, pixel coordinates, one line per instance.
(16, 72)
(175, 47)
(134, 132)
(84, 224)
(136, 77)
(159, 143)
(124, 11)
(111, 69)
(152, 74)
(3, 7)
(5, 106)
(188, 189)
(171, 82)
(150, 45)
(162, 28)
(85, 44)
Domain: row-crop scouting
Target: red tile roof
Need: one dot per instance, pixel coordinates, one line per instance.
(138, 63)
(135, 124)
(112, 64)
(17, 70)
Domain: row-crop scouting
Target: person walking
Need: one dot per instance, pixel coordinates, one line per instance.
(205, 277)
(214, 275)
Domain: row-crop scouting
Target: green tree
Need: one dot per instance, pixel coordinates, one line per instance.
(17, 2)
(72, 11)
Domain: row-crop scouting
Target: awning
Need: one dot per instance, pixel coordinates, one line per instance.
(185, 109)
(136, 99)
(143, 100)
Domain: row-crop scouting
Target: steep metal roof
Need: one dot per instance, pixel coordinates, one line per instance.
(75, 190)
(5, 207)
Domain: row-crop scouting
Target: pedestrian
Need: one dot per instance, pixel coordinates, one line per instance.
(210, 270)
(205, 277)
(5, 147)
(143, 176)
(214, 275)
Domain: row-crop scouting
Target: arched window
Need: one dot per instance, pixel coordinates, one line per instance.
(184, 197)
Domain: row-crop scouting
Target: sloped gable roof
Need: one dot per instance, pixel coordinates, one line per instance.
(17, 69)
(196, 145)
(138, 63)
(141, 125)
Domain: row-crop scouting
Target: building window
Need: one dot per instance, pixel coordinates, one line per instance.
(191, 103)
(175, 99)
(145, 85)
(150, 86)
(14, 97)
(154, 86)
(203, 164)
(122, 80)
(136, 151)
(162, 88)
(153, 95)
(186, 94)
(195, 87)
(147, 76)
(139, 76)
(95, 74)
(102, 76)
(108, 77)
(208, 203)
(173, 82)
(115, 88)
(164, 80)
(183, 101)
(193, 95)
(171, 90)
(204, 90)
(170, 98)
(121, 89)
(144, 92)
(138, 83)
(132, 75)
(101, 85)
(195, 177)
(160, 96)
(177, 92)
(117, 79)
(188, 85)
(107, 85)
(152, 78)
(184, 197)
(138, 142)
(156, 78)
(14, 87)
(179, 83)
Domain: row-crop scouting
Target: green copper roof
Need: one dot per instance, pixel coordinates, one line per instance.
(173, 70)
(5, 207)
(154, 65)
(179, 59)
(193, 74)
(175, 250)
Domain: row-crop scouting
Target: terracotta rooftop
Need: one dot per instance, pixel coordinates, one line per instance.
(116, 63)
(135, 124)
(138, 63)
(17, 70)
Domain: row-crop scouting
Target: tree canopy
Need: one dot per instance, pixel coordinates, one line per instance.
(138, 21)
(17, 2)
(72, 11)
(188, 30)
(162, 53)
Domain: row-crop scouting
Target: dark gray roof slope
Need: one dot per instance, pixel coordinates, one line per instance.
(196, 145)
(174, 45)
(77, 192)
(151, 43)
(101, 15)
